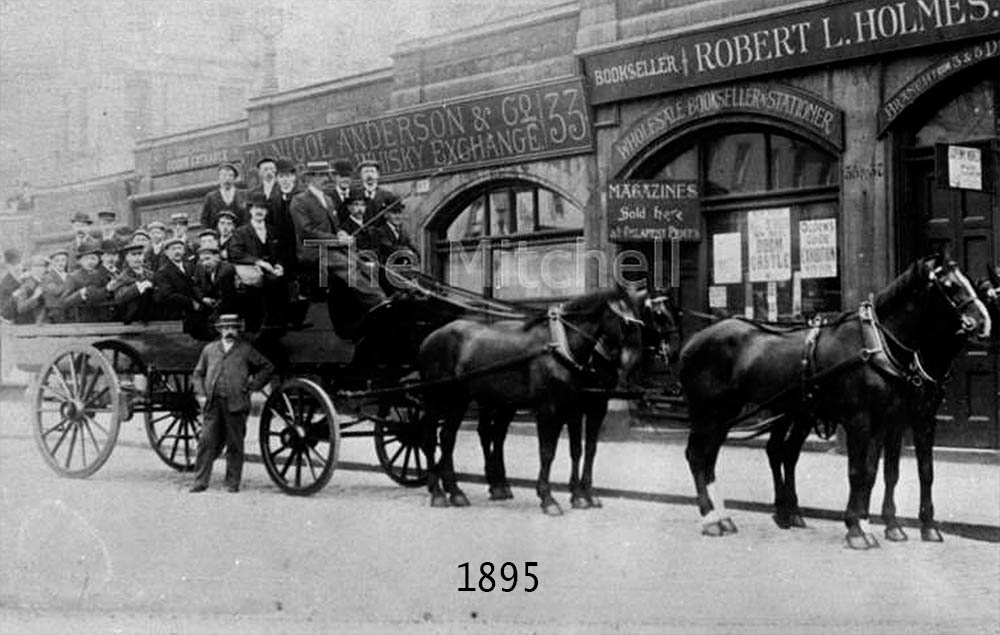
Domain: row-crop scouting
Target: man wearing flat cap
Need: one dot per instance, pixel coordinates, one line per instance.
(53, 285)
(216, 284)
(226, 225)
(227, 196)
(26, 304)
(132, 289)
(228, 371)
(175, 292)
(267, 175)
(106, 223)
(86, 290)
(258, 247)
(376, 198)
(81, 223)
(154, 255)
(315, 217)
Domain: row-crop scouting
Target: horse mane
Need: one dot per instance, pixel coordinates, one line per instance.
(901, 288)
(583, 305)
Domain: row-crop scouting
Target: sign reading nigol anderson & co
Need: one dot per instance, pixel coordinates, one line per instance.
(811, 36)
(524, 124)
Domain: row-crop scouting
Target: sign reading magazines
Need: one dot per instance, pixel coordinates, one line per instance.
(526, 124)
(653, 210)
(818, 248)
(769, 244)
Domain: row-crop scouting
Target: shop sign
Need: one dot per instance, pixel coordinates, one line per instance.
(164, 163)
(727, 258)
(511, 127)
(769, 241)
(798, 107)
(931, 76)
(653, 210)
(818, 248)
(811, 36)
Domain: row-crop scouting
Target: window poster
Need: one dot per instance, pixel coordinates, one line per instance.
(965, 168)
(727, 258)
(769, 244)
(818, 248)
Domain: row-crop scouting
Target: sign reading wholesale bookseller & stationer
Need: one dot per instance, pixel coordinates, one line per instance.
(526, 124)
(653, 210)
(828, 33)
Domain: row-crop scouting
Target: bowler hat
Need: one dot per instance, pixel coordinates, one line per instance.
(133, 246)
(208, 231)
(343, 167)
(317, 167)
(285, 166)
(257, 199)
(369, 163)
(231, 167)
(110, 246)
(107, 213)
(172, 241)
(81, 217)
(156, 225)
(354, 195)
(179, 218)
(89, 248)
(266, 159)
(229, 319)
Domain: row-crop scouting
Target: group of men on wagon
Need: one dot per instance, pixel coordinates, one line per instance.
(256, 253)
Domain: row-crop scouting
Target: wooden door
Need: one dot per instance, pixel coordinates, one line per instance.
(966, 223)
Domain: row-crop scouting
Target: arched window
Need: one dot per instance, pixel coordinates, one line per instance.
(510, 240)
(770, 201)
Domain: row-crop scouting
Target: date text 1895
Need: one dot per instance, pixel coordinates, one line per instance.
(507, 575)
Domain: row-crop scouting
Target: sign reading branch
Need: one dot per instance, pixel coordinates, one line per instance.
(653, 210)
(530, 123)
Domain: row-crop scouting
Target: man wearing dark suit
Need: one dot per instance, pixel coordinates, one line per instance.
(227, 196)
(215, 281)
(395, 250)
(258, 244)
(81, 223)
(267, 173)
(85, 292)
(154, 256)
(343, 187)
(12, 277)
(132, 289)
(376, 198)
(315, 217)
(175, 292)
(228, 371)
(53, 285)
(354, 223)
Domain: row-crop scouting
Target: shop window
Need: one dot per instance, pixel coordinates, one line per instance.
(512, 241)
(736, 163)
(969, 116)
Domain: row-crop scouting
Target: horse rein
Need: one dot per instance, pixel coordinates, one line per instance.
(560, 344)
(966, 326)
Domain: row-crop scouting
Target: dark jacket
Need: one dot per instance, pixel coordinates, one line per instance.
(24, 306)
(54, 285)
(92, 307)
(363, 236)
(340, 202)
(174, 290)
(381, 199)
(231, 376)
(153, 260)
(133, 305)
(312, 220)
(246, 248)
(220, 285)
(214, 203)
(8, 286)
(280, 216)
(388, 241)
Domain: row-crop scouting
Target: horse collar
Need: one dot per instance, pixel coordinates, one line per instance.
(557, 330)
(877, 351)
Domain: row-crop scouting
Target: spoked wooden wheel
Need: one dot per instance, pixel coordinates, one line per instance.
(77, 408)
(397, 442)
(129, 368)
(299, 437)
(173, 419)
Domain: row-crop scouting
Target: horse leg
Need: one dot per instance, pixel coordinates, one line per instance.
(449, 433)
(499, 487)
(549, 427)
(890, 473)
(923, 445)
(574, 425)
(485, 431)
(428, 442)
(726, 523)
(594, 421)
(793, 450)
(860, 447)
(698, 452)
(775, 453)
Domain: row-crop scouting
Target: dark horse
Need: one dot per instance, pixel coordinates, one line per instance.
(860, 371)
(660, 337)
(923, 422)
(542, 364)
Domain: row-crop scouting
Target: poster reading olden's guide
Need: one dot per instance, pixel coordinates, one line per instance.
(769, 245)
(818, 248)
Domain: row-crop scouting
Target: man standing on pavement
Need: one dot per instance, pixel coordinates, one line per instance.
(228, 371)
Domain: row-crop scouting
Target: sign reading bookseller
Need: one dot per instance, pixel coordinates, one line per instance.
(653, 210)
(530, 123)
(827, 33)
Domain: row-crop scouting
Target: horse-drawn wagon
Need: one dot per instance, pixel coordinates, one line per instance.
(90, 378)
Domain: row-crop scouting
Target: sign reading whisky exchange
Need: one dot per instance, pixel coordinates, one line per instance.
(526, 124)
(829, 33)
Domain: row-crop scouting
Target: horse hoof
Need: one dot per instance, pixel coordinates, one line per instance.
(552, 509)
(595, 502)
(857, 542)
(439, 500)
(895, 533)
(579, 502)
(713, 530)
(507, 494)
(797, 521)
(872, 541)
(782, 521)
(497, 494)
(728, 526)
(931, 534)
(459, 500)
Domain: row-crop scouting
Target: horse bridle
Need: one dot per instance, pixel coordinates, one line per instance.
(934, 275)
(663, 350)
(598, 344)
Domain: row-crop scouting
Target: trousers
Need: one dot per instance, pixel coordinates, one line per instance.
(221, 426)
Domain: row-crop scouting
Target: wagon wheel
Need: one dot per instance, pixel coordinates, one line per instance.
(299, 436)
(173, 419)
(77, 411)
(129, 367)
(397, 442)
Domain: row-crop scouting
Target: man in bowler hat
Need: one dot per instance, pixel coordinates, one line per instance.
(228, 371)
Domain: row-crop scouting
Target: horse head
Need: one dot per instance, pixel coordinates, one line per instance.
(959, 294)
(988, 290)
(620, 331)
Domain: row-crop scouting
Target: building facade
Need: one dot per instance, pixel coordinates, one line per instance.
(765, 158)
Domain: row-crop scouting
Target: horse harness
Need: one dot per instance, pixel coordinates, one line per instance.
(559, 344)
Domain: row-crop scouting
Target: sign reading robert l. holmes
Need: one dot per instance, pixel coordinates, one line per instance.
(828, 33)
(653, 210)
(523, 124)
